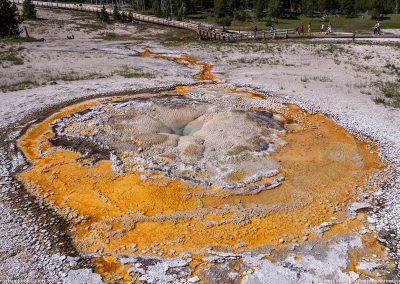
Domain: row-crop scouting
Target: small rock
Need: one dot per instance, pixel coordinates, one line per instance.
(99, 250)
(354, 276)
(194, 279)
(356, 206)
(369, 266)
(82, 276)
(322, 228)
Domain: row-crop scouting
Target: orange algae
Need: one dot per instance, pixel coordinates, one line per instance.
(319, 165)
(322, 165)
(182, 90)
(249, 93)
(184, 59)
(371, 251)
(112, 270)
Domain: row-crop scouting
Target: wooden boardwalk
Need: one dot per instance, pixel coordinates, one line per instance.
(205, 32)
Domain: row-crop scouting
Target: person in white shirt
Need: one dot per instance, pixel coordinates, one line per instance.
(330, 29)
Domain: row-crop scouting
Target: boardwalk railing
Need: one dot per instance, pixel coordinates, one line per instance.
(206, 32)
(135, 16)
(236, 36)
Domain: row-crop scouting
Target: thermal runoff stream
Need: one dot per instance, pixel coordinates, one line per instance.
(199, 169)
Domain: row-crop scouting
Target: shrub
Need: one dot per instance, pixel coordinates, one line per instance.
(389, 93)
(240, 15)
(380, 8)
(116, 14)
(224, 22)
(11, 56)
(103, 15)
(9, 19)
(179, 17)
(28, 10)
(130, 17)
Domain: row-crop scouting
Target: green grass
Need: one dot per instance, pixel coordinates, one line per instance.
(257, 61)
(176, 37)
(390, 93)
(127, 72)
(67, 77)
(16, 39)
(340, 24)
(92, 26)
(11, 56)
(74, 76)
(26, 84)
(113, 36)
(322, 79)
(393, 69)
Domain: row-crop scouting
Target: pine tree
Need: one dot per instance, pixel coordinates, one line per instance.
(9, 19)
(28, 10)
(347, 7)
(260, 5)
(275, 8)
(116, 14)
(179, 16)
(361, 5)
(130, 17)
(223, 8)
(240, 15)
(224, 22)
(323, 6)
(219, 8)
(380, 8)
(308, 7)
(103, 15)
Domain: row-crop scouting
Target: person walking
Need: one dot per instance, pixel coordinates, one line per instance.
(377, 28)
(330, 29)
(322, 28)
(255, 29)
(309, 28)
(302, 28)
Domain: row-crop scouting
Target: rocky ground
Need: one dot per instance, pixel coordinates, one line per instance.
(338, 79)
(51, 73)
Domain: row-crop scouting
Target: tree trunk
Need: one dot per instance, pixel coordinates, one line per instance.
(26, 32)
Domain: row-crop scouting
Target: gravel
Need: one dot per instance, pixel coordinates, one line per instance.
(28, 250)
(347, 74)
